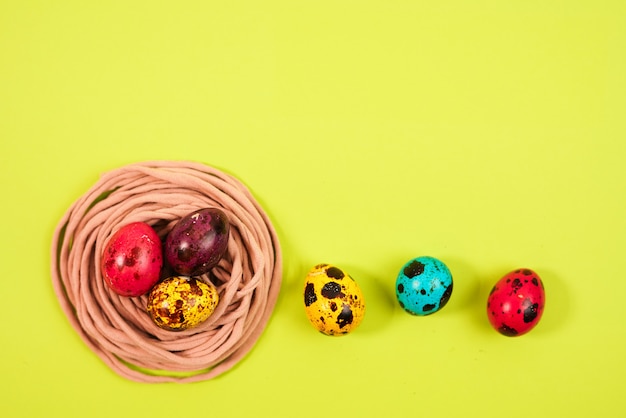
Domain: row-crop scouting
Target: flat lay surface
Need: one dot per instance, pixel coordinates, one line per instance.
(489, 136)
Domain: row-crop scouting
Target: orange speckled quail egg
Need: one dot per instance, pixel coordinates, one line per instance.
(178, 303)
(333, 300)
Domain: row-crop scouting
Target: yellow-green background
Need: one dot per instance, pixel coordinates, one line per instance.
(489, 134)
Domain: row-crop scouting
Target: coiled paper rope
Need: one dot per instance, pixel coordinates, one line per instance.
(118, 329)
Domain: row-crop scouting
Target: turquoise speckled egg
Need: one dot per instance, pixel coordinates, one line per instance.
(423, 286)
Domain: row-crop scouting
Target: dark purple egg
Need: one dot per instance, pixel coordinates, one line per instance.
(198, 241)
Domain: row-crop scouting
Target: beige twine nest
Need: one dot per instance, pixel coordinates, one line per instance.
(118, 329)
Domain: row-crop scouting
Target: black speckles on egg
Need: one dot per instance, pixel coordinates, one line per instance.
(309, 294)
(530, 313)
(335, 273)
(428, 307)
(516, 285)
(345, 317)
(332, 290)
(446, 296)
(535, 281)
(400, 288)
(508, 331)
(415, 268)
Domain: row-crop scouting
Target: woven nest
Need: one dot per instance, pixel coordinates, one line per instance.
(118, 329)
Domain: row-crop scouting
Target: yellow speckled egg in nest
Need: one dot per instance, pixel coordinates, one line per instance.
(178, 303)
